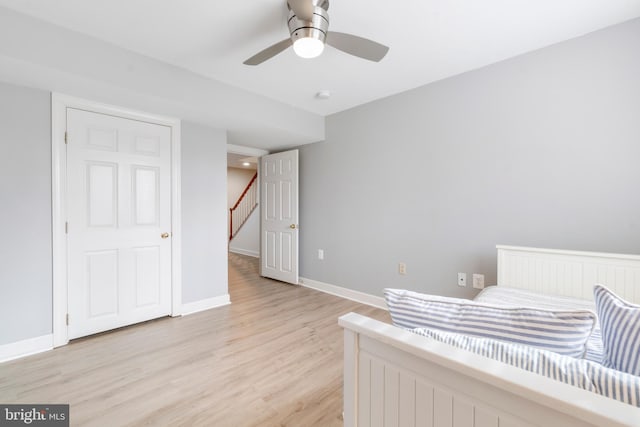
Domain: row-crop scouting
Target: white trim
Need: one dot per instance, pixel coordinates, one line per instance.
(246, 252)
(16, 350)
(59, 105)
(59, 215)
(346, 293)
(205, 304)
(569, 252)
(176, 219)
(247, 151)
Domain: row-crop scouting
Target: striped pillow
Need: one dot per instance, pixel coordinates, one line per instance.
(620, 324)
(576, 372)
(561, 331)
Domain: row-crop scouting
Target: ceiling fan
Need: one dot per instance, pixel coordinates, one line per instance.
(308, 28)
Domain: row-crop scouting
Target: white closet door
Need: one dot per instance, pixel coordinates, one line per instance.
(279, 213)
(119, 221)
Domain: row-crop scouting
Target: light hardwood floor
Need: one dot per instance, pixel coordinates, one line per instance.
(271, 358)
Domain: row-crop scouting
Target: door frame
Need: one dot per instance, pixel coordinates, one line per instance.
(59, 105)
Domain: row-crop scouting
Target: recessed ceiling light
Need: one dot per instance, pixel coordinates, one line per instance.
(323, 94)
(246, 164)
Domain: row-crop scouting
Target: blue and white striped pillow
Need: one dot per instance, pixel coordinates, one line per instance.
(561, 331)
(576, 372)
(620, 324)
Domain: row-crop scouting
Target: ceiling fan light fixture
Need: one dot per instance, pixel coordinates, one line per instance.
(308, 47)
(308, 27)
(308, 36)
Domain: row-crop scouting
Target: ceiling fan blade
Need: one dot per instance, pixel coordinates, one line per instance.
(268, 53)
(357, 46)
(302, 8)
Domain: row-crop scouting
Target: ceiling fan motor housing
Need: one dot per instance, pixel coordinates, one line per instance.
(316, 28)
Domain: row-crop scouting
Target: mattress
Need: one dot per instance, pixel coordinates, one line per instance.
(506, 296)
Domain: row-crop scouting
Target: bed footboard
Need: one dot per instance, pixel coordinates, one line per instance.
(393, 377)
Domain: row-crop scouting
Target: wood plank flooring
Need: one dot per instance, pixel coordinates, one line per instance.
(271, 358)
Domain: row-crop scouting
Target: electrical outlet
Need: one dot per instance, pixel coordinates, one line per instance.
(478, 281)
(320, 254)
(462, 279)
(402, 268)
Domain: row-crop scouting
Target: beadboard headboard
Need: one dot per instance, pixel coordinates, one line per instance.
(568, 273)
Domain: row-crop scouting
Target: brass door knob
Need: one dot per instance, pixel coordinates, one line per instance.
(164, 235)
(292, 226)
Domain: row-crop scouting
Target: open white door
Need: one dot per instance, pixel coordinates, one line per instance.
(279, 216)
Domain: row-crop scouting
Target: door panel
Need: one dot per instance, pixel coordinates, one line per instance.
(269, 201)
(279, 213)
(101, 195)
(146, 183)
(269, 252)
(102, 283)
(286, 197)
(102, 139)
(286, 246)
(149, 146)
(119, 204)
(147, 276)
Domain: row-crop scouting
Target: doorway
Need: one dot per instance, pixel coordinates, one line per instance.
(274, 217)
(243, 190)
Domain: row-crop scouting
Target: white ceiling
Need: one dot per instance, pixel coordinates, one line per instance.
(429, 40)
(235, 160)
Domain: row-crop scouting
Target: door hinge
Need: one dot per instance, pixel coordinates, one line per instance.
(67, 319)
(66, 228)
(66, 135)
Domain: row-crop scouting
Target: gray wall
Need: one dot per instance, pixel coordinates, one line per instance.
(540, 150)
(204, 212)
(25, 213)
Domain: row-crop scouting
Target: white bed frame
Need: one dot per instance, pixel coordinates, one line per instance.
(396, 378)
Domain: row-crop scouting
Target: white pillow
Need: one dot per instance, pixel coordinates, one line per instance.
(620, 326)
(561, 331)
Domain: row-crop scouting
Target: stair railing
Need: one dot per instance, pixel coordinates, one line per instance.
(245, 205)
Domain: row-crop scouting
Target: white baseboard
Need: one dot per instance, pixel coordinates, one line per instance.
(205, 304)
(244, 252)
(339, 291)
(16, 350)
